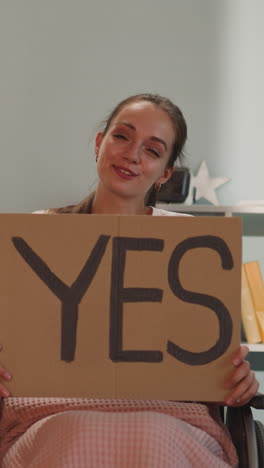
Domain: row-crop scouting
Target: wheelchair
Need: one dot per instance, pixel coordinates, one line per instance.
(247, 435)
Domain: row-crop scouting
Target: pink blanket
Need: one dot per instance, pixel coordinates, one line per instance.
(53, 433)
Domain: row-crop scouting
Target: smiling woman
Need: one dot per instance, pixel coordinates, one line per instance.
(132, 156)
(143, 137)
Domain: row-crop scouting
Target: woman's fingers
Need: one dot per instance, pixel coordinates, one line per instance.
(244, 392)
(240, 355)
(3, 391)
(242, 383)
(240, 373)
(4, 375)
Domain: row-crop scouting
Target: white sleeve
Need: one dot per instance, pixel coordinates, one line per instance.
(40, 212)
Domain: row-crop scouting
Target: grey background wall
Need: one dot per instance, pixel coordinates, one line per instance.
(65, 63)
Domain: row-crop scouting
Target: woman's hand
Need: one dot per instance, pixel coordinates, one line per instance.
(4, 375)
(242, 383)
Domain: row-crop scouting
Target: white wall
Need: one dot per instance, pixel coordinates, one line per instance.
(239, 103)
(65, 63)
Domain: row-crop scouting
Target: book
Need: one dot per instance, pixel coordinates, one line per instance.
(249, 318)
(255, 282)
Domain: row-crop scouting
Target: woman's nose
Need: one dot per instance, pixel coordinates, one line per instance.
(133, 154)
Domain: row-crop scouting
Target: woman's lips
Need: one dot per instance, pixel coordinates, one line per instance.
(124, 173)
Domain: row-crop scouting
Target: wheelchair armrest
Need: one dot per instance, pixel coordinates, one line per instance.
(240, 423)
(257, 401)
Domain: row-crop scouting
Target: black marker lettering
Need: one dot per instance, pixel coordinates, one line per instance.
(222, 313)
(119, 295)
(69, 296)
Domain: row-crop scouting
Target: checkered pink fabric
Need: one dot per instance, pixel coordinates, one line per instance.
(55, 433)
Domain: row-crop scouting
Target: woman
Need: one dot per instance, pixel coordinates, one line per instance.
(135, 154)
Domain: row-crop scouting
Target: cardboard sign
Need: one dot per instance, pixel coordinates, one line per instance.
(134, 307)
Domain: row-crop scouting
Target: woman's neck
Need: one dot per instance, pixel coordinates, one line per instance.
(110, 203)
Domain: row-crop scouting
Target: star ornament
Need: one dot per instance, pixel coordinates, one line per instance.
(206, 185)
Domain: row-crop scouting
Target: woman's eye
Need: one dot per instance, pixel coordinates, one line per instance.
(155, 152)
(120, 136)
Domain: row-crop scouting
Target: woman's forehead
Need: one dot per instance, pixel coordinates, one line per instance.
(146, 116)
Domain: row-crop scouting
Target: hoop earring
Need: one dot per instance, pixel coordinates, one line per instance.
(157, 187)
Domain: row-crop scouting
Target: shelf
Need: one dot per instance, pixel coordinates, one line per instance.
(257, 348)
(197, 209)
(252, 215)
(229, 210)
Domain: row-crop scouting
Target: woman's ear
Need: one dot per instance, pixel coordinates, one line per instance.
(98, 141)
(167, 174)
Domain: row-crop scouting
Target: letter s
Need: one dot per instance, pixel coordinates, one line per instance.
(222, 313)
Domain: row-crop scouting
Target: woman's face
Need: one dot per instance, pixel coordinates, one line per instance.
(134, 153)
